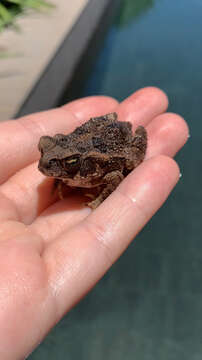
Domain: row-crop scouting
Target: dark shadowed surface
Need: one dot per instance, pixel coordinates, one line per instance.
(149, 305)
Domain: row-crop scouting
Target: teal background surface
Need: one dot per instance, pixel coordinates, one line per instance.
(149, 305)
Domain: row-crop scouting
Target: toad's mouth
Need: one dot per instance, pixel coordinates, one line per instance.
(83, 182)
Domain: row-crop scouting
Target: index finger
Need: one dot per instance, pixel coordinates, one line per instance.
(19, 138)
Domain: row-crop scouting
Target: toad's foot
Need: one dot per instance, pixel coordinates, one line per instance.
(112, 180)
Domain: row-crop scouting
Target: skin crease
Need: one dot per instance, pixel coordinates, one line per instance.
(53, 252)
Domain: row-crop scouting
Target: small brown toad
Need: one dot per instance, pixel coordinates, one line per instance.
(97, 155)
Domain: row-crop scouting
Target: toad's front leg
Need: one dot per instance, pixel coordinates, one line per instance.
(112, 180)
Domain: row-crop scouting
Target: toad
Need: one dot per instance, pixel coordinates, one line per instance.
(96, 156)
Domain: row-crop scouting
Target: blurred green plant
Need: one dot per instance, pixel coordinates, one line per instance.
(10, 9)
(131, 9)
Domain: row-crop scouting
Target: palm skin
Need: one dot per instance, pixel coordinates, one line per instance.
(53, 252)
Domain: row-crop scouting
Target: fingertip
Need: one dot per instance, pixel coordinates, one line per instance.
(180, 126)
(91, 106)
(143, 105)
(157, 94)
(167, 167)
(167, 134)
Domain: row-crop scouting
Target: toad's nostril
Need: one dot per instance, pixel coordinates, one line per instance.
(49, 163)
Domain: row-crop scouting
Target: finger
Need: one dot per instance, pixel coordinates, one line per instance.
(29, 193)
(59, 217)
(88, 107)
(167, 134)
(8, 210)
(19, 139)
(32, 193)
(80, 257)
(142, 106)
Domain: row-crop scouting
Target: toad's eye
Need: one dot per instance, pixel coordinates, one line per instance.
(71, 161)
(71, 165)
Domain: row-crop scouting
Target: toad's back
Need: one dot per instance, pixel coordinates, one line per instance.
(104, 134)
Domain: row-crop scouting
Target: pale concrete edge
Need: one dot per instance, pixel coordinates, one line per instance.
(76, 87)
(49, 88)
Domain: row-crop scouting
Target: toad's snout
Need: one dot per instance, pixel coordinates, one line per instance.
(45, 166)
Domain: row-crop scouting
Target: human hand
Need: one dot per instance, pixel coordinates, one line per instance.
(53, 252)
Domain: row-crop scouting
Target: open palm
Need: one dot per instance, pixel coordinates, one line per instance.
(52, 252)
